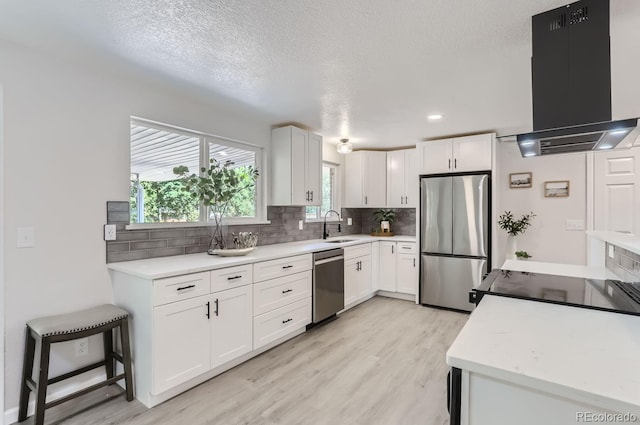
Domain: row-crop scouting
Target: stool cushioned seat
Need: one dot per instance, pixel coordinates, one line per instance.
(77, 321)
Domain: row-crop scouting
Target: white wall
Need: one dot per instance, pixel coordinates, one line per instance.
(546, 239)
(66, 153)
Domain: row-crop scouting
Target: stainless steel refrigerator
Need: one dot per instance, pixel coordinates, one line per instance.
(454, 238)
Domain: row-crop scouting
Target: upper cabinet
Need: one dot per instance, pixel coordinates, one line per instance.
(365, 179)
(296, 167)
(402, 178)
(461, 154)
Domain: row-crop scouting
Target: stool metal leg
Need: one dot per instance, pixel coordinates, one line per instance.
(126, 357)
(27, 373)
(41, 385)
(108, 353)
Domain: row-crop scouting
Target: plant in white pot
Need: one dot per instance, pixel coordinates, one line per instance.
(514, 228)
(216, 187)
(384, 217)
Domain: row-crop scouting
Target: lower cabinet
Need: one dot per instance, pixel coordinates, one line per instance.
(398, 271)
(275, 324)
(358, 284)
(181, 342)
(231, 314)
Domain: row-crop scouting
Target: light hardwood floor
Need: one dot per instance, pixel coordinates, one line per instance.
(382, 362)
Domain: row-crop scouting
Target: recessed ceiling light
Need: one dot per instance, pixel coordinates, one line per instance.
(223, 153)
(617, 132)
(605, 147)
(530, 154)
(434, 117)
(528, 143)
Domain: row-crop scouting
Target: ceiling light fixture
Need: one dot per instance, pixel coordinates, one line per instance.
(344, 147)
(434, 117)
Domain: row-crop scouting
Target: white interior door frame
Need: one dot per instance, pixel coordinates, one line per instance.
(2, 255)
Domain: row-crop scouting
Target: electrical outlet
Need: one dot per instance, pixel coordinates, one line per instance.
(82, 347)
(300, 224)
(109, 232)
(574, 224)
(26, 237)
(349, 221)
(612, 251)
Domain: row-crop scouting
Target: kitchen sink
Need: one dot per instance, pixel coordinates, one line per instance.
(339, 240)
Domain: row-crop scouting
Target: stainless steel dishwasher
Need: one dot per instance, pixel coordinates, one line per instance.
(328, 283)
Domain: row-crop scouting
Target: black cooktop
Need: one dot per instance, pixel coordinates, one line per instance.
(609, 295)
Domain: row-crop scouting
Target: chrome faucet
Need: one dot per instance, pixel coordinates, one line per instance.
(325, 234)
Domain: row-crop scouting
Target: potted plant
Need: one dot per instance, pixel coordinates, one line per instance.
(384, 217)
(216, 187)
(522, 255)
(514, 228)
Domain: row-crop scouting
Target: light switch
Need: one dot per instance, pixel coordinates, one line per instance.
(612, 251)
(349, 221)
(300, 225)
(26, 237)
(574, 225)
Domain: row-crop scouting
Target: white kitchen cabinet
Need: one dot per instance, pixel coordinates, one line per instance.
(365, 179)
(398, 270)
(296, 167)
(181, 342)
(387, 266)
(231, 314)
(358, 285)
(406, 273)
(460, 154)
(364, 287)
(402, 178)
(280, 322)
(351, 278)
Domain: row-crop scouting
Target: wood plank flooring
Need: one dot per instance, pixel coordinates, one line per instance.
(382, 362)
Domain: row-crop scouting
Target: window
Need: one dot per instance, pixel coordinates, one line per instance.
(158, 197)
(329, 194)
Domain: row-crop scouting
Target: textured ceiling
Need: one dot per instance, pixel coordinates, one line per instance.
(368, 70)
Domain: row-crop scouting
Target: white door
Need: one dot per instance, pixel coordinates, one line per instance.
(387, 271)
(472, 153)
(314, 169)
(375, 179)
(181, 342)
(395, 179)
(617, 190)
(365, 286)
(353, 178)
(407, 273)
(231, 324)
(351, 275)
(411, 178)
(299, 139)
(436, 157)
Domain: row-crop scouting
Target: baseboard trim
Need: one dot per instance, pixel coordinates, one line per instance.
(397, 295)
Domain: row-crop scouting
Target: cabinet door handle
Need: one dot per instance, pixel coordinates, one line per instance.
(307, 192)
(185, 287)
(455, 163)
(312, 196)
(392, 249)
(286, 321)
(287, 267)
(449, 163)
(365, 200)
(414, 262)
(287, 290)
(406, 200)
(234, 277)
(208, 310)
(217, 312)
(401, 200)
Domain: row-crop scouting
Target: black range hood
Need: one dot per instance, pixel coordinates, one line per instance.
(571, 83)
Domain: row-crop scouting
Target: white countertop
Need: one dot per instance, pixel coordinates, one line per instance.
(586, 355)
(155, 268)
(589, 272)
(623, 240)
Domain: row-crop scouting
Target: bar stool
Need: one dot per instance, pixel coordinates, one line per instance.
(66, 327)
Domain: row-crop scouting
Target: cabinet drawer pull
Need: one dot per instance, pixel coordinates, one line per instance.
(208, 310)
(185, 287)
(217, 312)
(406, 247)
(287, 267)
(286, 321)
(234, 277)
(287, 290)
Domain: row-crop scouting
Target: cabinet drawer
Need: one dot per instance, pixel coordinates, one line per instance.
(276, 293)
(407, 248)
(231, 277)
(277, 323)
(357, 251)
(178, 288)
(281, 267)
